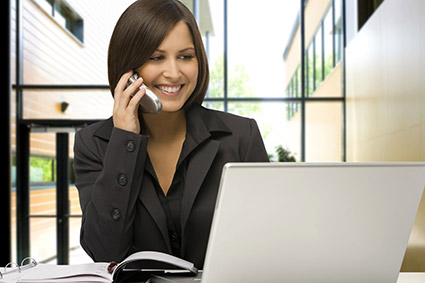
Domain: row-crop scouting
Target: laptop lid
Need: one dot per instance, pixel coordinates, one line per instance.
(302, 222)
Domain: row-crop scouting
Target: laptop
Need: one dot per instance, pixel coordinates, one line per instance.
(311, 222)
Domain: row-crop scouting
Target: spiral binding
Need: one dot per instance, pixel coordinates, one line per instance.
(21, 267)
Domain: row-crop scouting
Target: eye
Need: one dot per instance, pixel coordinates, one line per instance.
(186, 56)
(156, 58)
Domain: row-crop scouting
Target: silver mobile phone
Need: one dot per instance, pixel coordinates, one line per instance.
(149, 102)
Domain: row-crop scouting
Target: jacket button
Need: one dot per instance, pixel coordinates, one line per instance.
(130, 146)
(122, 180)
(174, 237)
(116, 214)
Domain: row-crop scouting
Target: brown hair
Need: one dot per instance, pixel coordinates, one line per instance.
(141, 29)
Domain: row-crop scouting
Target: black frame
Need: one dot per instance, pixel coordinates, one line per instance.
(6, 129)
(304, 95)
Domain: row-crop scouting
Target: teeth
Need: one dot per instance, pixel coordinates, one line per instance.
(170, 88)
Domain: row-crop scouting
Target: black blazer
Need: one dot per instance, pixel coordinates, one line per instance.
(121, 211)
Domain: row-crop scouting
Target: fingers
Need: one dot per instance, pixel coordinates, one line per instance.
(126, 103)
(128, 96)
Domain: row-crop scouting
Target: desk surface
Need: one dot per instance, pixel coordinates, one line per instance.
(411, 277)
(404, 277)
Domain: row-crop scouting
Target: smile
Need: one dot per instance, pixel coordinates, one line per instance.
(169, 89)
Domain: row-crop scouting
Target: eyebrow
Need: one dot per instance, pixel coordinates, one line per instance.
(183, 50)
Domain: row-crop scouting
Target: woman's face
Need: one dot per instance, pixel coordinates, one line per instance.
(172, 70)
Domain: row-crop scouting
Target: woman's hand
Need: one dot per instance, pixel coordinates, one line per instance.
(125, 111)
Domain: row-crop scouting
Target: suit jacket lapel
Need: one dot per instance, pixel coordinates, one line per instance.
(202, 124)
(150, 200)
(196, 172)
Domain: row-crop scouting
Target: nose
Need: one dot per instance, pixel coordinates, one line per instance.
(172, 70)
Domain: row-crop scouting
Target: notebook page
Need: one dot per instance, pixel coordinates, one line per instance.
(68, 273)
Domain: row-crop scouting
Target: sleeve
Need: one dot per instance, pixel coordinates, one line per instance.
(256, 151)
(108, 181)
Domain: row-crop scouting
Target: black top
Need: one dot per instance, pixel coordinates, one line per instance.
(172, 202)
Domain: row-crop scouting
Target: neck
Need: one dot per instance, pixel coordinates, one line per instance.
(164, 125)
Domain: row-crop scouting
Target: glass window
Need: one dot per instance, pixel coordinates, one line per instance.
(42, 169)
(323, 131)
(69, 19)
(338, 30)
(43, 239)
(46, 5)
(275, 128)
(216, 85)
(214, 45)
(42, 174)
(65, 16)
(318, 71)
(293, 90)
(218, 105)
(255, 65)
(310, 70)
(76, 255)
(328, 43)
(298, 79)
(42, 197)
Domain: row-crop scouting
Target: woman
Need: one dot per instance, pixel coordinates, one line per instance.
(150, 181)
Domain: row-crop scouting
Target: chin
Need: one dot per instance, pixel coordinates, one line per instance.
(172, 107)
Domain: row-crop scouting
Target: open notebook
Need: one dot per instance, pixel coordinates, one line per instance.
(101, 272)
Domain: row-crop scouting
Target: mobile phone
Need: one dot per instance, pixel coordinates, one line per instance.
(150, 102)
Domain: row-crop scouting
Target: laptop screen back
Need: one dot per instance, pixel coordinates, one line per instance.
(301, 222)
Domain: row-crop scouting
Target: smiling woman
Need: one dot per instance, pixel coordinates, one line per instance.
(149, 181)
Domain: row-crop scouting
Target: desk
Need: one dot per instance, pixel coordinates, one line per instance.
(404, 277)
(411, 277)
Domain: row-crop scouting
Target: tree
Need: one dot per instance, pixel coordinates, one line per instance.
(238, 86)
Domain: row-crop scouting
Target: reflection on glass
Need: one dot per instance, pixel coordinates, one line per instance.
(42, 174)
(323, 131)
(43, 239)
(275, 128)
(74, 203)
(76, 253)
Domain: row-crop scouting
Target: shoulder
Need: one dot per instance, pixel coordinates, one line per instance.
(102, 129)
(234, 123)
(238, 134)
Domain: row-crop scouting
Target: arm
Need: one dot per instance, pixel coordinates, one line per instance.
(108, 178)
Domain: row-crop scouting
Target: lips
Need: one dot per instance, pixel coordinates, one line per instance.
(170, 90)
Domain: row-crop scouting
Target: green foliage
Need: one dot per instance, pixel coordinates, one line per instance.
(284, 155)
(46, 165)
(238, 86)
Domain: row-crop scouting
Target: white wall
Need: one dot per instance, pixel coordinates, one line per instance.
(385, 82)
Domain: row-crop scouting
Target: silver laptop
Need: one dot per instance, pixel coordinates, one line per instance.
(312, 222)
